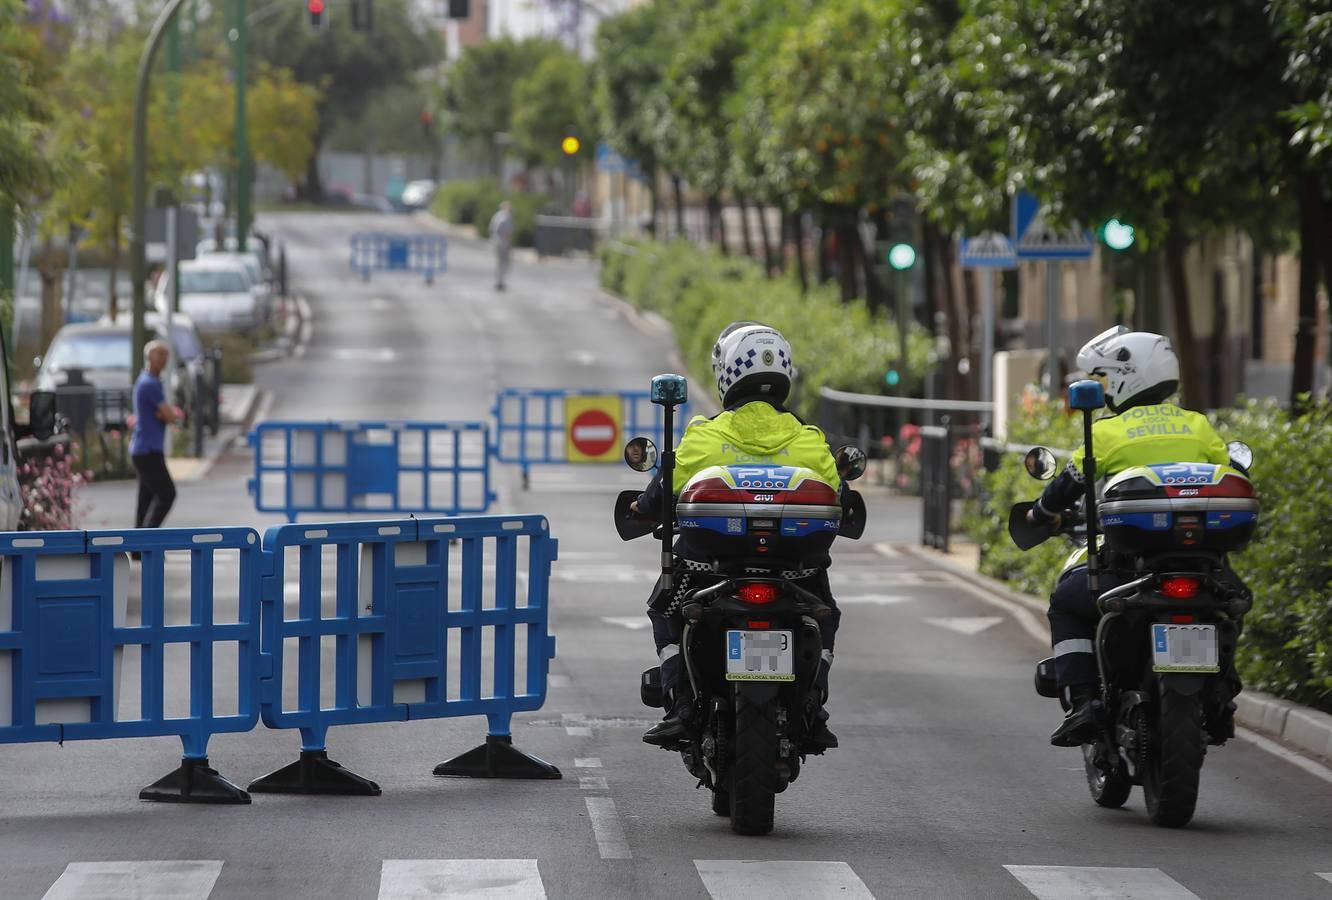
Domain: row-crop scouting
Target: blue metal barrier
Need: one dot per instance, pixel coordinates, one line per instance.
(392, 467)
(409, 616)
(376, 251)
(531, 426)
(66, 621)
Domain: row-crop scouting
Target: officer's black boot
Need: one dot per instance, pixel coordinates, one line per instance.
(1079, 726)
(820, 736)
(673, 729)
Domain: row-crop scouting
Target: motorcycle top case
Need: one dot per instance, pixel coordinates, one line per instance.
(1178, 506)
(783, 512)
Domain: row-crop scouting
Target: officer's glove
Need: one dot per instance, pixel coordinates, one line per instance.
(1039, 517)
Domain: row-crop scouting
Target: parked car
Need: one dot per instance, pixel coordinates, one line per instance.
(217, 292)
(418, 194)
(100, 352)
(195, 361)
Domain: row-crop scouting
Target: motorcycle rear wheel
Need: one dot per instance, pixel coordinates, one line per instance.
(1108, 778)
(754, 775)
(1170, 778)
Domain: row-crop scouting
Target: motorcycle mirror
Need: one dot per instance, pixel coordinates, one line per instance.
(1040, 463)
(1241, 455)
(640, 454)
(850, 462)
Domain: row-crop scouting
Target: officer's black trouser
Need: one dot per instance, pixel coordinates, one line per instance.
(1073, 618)
(667, 625)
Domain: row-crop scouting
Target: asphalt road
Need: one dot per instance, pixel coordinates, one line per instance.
(944, 786)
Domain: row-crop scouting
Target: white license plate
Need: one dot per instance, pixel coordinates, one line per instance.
(1184, 648)
(759, 656)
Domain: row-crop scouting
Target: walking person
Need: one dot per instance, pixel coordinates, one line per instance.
(152, 414)
(501, 232)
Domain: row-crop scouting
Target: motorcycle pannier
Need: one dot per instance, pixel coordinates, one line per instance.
(1179, 506)
(779, 512)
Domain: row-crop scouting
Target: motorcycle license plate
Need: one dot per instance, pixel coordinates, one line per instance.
(759, 656)
(1184, 648)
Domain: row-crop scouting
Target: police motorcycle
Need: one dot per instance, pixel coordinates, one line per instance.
(751, 642)
(1165, 644)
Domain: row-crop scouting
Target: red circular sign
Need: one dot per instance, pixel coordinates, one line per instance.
(593, 432)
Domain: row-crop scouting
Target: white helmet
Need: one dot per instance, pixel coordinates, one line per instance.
(1140, 367)
(752, 361)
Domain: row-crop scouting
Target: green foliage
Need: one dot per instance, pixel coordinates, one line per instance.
(23, 164)
(840, 345)
(1287, 642)
(548, 103)
(629, 68)
(479, 92)
(474, 202)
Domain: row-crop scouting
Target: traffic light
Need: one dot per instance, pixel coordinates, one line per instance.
(901, 256)
(571, 145)
(902, 232)
(315, 10)
(893, 378)
(1117, 235)
(460, 9)
(362, 15)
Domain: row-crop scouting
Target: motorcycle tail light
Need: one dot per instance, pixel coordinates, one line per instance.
(758, 625)
(1180, 588)
(759, 593)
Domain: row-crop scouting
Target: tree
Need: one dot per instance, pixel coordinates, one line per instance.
(348, 67)
(24, 164)
(548, 103)
(478, 93)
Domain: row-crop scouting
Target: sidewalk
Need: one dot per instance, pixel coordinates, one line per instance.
(1302, 728)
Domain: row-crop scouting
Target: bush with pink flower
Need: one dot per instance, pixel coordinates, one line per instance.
(49, 486)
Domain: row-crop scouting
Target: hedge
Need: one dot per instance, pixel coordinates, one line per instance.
(841, 345)
(474, 202)
(1287, 643)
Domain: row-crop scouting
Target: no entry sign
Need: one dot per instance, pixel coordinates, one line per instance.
(592, 428)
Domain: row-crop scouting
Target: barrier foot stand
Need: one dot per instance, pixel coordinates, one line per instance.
(497, 758)
(194, 782)
(315, 773)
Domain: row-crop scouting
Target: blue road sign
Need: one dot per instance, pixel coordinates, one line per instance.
(613, 163)
(1034, 238)
(990, 250)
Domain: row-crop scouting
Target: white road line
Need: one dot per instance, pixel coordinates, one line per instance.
(558, 680)
(578, 731)
(1316, 769)
(1097, 883)
(1021, 614)
(874, 599)
(633, 623)
(594, 762)
(177, 879)
(1326, 876)
(751, 879)
(593, 783)
(611, 842)
(883, 548)
(418, 879)
(968, 625)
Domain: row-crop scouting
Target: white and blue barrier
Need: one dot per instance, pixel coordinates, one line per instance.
(533, 425)
(434, 468)
(422, 628)
(377, 251)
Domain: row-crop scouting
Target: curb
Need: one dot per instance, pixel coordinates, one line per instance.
(1307, 730)
(207, 463)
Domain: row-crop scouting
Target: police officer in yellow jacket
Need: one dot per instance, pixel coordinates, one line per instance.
(753, 366)
(1142, 371)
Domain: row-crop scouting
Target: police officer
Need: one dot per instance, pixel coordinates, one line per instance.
(754, 368)
(1141, 372)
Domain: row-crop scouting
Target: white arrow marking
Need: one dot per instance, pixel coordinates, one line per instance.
(634, 623)
(967, 624)
(876, 599)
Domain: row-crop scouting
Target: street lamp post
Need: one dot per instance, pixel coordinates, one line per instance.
(239, 36)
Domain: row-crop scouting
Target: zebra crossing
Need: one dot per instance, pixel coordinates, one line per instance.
(522, 879)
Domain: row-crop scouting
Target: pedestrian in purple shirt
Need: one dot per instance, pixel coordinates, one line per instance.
(152, 414)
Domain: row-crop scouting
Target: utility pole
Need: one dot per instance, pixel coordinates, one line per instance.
(239, 36)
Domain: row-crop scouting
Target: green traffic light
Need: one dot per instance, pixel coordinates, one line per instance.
(893, 378)
(1117, 235)
(901, 256)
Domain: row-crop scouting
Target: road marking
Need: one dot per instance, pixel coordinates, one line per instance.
(379, 304)
(874, 599)
(886, 549)
(184, 879)
(583, 357)
(606, 827)
(307, 325)
(593, 783)
(1021, 614)
(578, 731)
(968, 625)
(418, 879)
(601, 574)
(1098, 883)
(1326, 876)
(587, 762)
(633, 623)
(1318, 770)
(558, 680)
(366, 354)
(751, 879)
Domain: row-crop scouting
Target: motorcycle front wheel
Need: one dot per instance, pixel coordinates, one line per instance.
(754, 775)
(1107, 777)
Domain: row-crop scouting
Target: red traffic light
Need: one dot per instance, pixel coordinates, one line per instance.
(315, 7)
